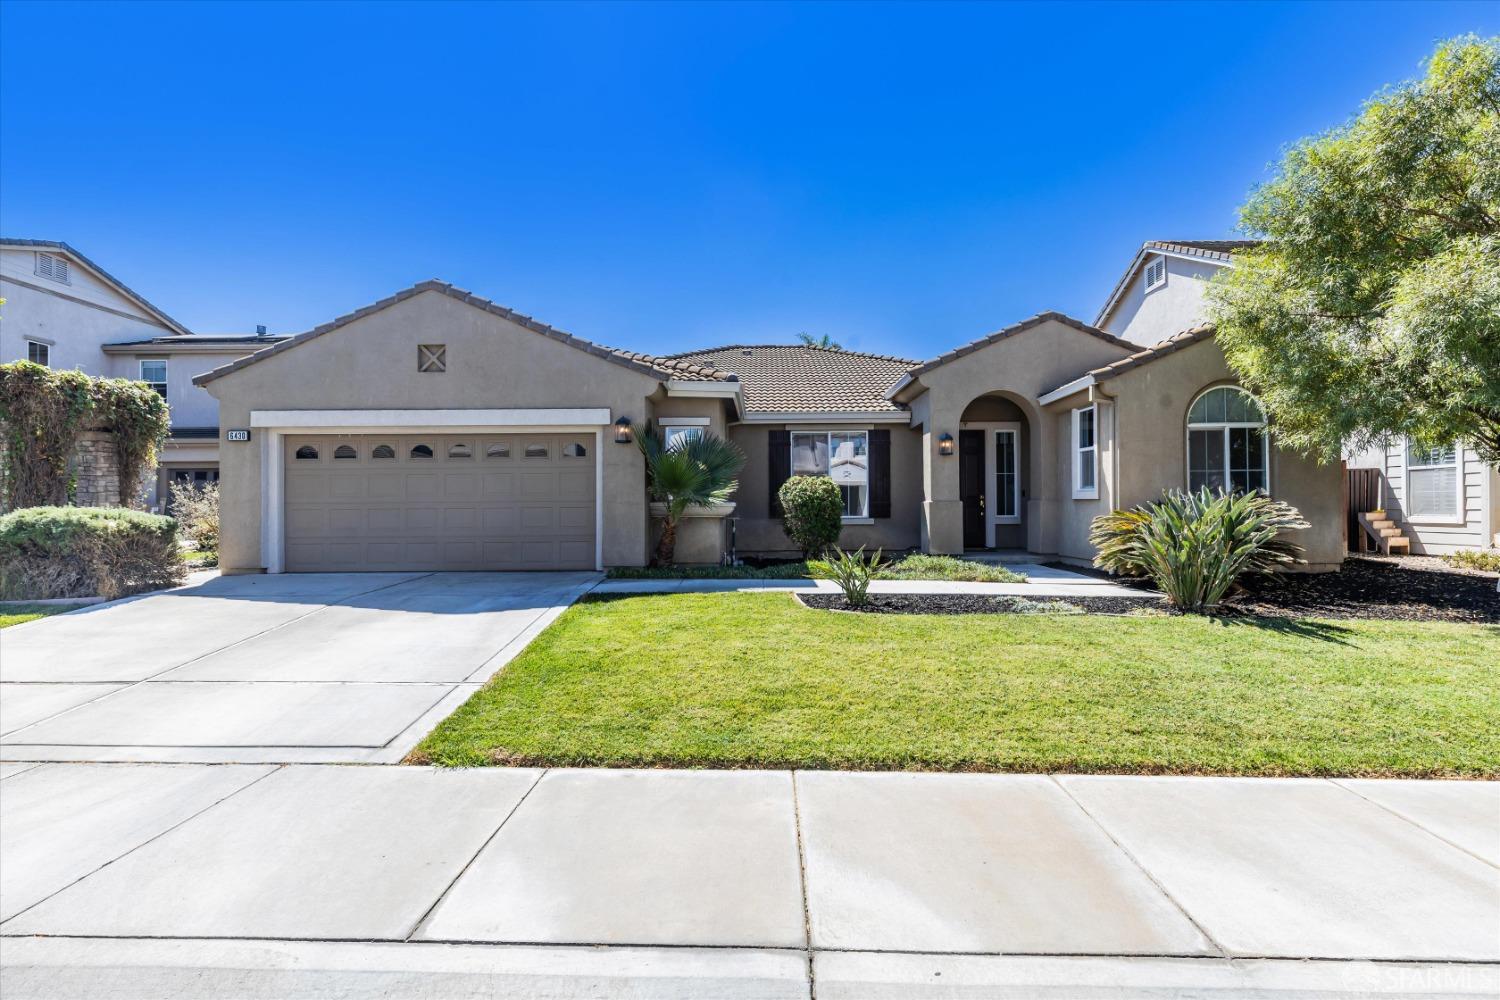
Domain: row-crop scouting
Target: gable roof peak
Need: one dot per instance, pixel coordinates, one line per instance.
(646, 363)
(109, 279)
(1050, 316)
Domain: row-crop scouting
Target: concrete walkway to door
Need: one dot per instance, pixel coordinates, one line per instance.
(334, 668)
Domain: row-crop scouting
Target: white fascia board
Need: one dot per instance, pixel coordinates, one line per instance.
(692, 388)
(1064, 391)
(874, 417)
(466, 419)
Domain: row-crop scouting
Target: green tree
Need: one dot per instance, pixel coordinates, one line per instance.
(698, 471)
(823, 340)
(1373, 306)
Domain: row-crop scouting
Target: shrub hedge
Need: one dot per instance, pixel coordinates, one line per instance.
(813, 512)
(50, 552)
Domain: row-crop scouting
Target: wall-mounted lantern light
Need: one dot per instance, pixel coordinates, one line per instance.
(622, 430)
(945, 444)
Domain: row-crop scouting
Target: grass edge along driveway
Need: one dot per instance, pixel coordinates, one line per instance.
(757, 680)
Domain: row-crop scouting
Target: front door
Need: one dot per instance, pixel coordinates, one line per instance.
(971, 486)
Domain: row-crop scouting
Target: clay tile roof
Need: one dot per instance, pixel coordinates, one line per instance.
(796, 378)
(664, 368)
(1173, 343)
(1011, 331)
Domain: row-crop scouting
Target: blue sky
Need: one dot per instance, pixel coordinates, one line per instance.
(904, 178)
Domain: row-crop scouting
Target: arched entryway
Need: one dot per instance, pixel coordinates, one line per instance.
(994, 454)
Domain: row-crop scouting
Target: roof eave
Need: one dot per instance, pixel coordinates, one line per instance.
(102, 274)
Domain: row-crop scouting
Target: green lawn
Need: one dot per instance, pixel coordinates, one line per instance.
(756, 680)
(916, 566)
(15, 614)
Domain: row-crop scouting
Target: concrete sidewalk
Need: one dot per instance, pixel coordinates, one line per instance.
(184, 880)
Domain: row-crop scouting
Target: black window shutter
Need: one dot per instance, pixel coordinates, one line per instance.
(880, 473)
(780, 445)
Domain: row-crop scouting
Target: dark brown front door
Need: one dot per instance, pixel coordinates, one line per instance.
(971, 486)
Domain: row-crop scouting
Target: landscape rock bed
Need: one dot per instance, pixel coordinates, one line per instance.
(985, 604)
(1391, 589)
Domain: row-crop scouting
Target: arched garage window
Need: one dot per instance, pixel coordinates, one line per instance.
(1227, 447)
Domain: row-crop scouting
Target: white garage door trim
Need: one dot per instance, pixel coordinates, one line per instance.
(276, 424)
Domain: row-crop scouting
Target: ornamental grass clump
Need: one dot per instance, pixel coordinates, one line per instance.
(1197, 546)
(852, 571)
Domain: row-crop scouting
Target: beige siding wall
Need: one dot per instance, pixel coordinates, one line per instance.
(1144, 450)
(372, 364)
(76, 330)
(758, 533)
(1480, 519)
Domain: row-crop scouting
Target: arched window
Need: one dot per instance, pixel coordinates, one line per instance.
(574, 450)
(497, 450)
(345, 451)
(535, 451)
(421, 451)
(307, 453)
(1226, 439)
(459, 451)
(383, 451)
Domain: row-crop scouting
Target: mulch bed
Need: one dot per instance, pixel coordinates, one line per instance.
(983, 604)
(1390, 589)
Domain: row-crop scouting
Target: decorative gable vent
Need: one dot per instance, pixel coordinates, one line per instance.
(50, 265)
(1156, 273)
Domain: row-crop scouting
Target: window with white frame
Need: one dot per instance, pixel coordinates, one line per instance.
(1226, 442)
(676, 435)
(1085, 454)
(39, 353)
(1434, 483)
(844, 457)
(1156, 274)
(50, 265)
(154, 374)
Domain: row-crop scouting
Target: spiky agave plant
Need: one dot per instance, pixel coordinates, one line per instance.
(1195, 546)
(698, 471)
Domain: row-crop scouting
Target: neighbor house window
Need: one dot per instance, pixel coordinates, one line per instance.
(1156, 274)
(1085, 454)
(844, 457)
(50, 265)
(432, 357)
(1434, 483)
(154, 374)
(38, 353)
(1227, 447)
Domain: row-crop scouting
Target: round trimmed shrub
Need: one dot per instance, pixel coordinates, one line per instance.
(82, 551)
(813, 515)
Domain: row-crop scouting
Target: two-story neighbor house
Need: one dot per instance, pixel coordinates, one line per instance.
(1443, 500)
(63, 310)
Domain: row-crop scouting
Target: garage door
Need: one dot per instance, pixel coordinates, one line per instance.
(439, 502)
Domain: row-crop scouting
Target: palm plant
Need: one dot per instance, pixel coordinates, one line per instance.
(698, 471)
(1196, 546)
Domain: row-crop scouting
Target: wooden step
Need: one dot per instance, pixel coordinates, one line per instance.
(1384, 533)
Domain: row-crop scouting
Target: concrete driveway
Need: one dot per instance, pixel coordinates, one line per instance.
(305, 668)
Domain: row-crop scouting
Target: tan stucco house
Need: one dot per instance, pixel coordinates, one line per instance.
(438, 430)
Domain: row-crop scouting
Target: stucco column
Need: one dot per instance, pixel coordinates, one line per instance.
(942, 508)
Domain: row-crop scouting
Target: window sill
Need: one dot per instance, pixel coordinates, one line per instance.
(1086, 496)
(858, 520)
(1448, 522)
